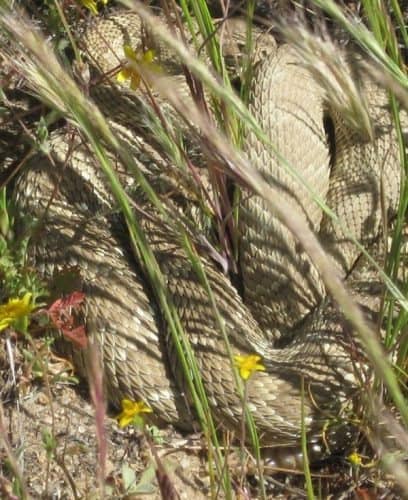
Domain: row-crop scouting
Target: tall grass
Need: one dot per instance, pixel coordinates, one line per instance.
(53, 85)
(240, 169)
(381, 42)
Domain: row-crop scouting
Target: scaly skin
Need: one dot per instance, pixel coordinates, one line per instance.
(285, 298)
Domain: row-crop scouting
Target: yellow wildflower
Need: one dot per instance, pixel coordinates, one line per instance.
(129, 71)
(15, 309)
(130, 411)
(92, 5)
(355, 459)
(247, 365)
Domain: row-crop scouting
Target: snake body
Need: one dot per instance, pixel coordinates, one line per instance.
(286, 316)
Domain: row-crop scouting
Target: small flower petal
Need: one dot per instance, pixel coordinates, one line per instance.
(135, 59)
(15, 309)
(148, 56)
(130, 53)
(247, 365)
(123, 75)
(355, 459)
(130, 411)
(124, 420)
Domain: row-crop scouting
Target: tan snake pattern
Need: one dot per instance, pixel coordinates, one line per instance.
(286, 315)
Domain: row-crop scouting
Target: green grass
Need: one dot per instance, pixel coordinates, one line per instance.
(53, 84)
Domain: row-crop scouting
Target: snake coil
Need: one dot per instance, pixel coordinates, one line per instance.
(285, 314)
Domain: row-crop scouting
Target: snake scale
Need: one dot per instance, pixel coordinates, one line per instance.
(283, 313)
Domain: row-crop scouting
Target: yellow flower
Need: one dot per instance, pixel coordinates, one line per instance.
(355, 459)
(247, 365)
(129, 72)
(92, 5)
(130, 410)
(15, 309)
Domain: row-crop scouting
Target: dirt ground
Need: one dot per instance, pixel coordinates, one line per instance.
(51, 429)
(49, 424)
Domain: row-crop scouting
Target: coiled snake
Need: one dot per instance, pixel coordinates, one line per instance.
(285, 315)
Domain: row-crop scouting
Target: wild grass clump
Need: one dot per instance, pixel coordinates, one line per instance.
(218, 120)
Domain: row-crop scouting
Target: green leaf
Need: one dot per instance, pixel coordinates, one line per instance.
(145, 484)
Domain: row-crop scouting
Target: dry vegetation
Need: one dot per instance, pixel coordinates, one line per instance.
(57, 440)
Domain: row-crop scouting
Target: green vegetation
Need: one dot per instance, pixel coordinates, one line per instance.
(55, 78)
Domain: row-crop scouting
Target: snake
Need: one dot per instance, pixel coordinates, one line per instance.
(281, 310)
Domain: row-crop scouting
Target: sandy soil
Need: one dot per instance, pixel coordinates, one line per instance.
(49, 425)
(33, 413)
